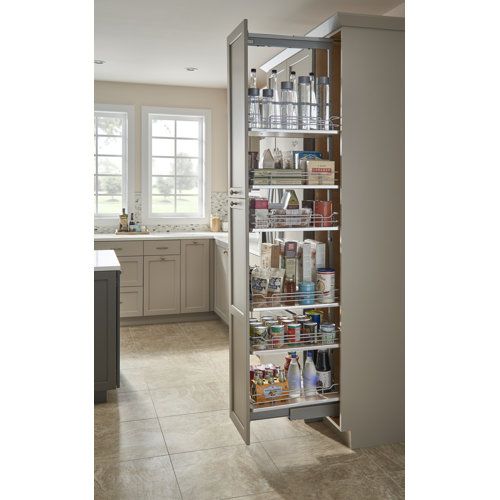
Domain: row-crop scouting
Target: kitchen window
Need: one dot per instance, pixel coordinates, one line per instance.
(176, 156)
(113, 160)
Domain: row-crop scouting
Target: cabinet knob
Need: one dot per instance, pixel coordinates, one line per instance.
(233, 203)
(233, 191)
(162, 258)
(225, 252)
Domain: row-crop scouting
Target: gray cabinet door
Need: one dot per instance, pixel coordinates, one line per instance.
(238, 317)
(237, 55)
(162, 276)
(106, 330)
(195, 278)
(221, 297)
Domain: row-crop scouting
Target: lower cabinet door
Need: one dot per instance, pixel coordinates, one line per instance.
(131, 301)
(162, 278)
(221, 283)
(195, 282)
(131, 271)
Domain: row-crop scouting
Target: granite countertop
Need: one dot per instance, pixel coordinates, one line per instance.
(106, 260)
(159, 236)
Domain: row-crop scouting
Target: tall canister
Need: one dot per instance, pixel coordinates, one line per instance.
(304, 102)
(323, 102)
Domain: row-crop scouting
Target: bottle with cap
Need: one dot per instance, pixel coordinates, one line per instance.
(267, 102)
(253, 108)
(252, 80)
(275, 117)
(313, 102)
(323, 97)
(304, 94)
(288, 106)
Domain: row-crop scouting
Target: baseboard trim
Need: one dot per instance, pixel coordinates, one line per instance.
(171, 318)
(344, 437)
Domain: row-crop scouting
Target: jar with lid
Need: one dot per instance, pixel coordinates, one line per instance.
(288, 106)
(304, 102)
(274, 119)
(323, 103)
(253, 108)
(267, 103)
(313, 102)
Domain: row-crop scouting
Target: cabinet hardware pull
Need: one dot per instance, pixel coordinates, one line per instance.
(233, 203)
(233, 191)
(195, 242)
(162, 258)
(161, 248)
(121, 301)
(118, 248)
(225, 252)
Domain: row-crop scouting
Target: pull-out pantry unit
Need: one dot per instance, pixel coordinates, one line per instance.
(363, 56)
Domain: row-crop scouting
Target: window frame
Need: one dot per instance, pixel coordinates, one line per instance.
(148, 113)
(128, 153)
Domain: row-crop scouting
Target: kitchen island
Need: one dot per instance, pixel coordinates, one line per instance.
(107, 271)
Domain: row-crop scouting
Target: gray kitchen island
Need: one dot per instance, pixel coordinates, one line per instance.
(106, 323)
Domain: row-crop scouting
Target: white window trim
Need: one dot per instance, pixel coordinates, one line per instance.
(147, 218)
(129, 173)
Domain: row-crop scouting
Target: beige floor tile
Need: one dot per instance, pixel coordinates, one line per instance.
(399, 478)
(225, 472)
(278, 428)
(307, 451)
(186, 398)
(199, 431)
(128, 440)
(389, 457)
(132, 379)
(125, 406)
(151, 478)
(270, 495)
(320, 485)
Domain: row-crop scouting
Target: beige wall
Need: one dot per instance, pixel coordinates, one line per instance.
(181, 97)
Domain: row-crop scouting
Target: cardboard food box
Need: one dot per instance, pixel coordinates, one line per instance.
(308, 261)
(318, 248)
(270, 255)
(270, 392)
(320, 172)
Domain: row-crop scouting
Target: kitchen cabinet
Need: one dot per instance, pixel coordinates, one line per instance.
(221, 283)
(106, 333)
(162, 276)
(364, 57)
(131, 271)
(195, 277)
(131, 301)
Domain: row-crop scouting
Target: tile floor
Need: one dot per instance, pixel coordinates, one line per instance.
(166, 433)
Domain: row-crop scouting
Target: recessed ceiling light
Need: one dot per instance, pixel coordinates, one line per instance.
(99, 61)
(191, 68)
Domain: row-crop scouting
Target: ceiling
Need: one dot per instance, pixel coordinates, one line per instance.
(153, 41)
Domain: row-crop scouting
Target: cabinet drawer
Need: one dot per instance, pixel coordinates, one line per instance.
(166, 247)
(131, 271)
(131, 301)
(121, 248)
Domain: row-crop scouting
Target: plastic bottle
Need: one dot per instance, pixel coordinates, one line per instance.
(310, 375)
(324, 370)
(275, 118)
(252, 81)
(294, 377)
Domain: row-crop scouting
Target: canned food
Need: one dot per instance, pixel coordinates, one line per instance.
(266, 318)
(292, 334)
(306, 289)
(298, 317)
(282, 318)
(252, 328)
(328, 333)
(325, 283)
(315, 316)
(309, 332)
(277, 335)
(259, 343)
(260, 331)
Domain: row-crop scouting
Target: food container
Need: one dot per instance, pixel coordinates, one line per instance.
(277, 335)
(306, 289)
(315, 316)
(328, 333)
(309, 332)
(323, 213)
(292, 334)
(326, 285)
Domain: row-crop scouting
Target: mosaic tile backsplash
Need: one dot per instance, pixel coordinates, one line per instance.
(218, 206)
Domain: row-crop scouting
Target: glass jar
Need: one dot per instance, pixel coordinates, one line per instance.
(327, 333)
(275, 118)
(267, 102)
(253, 108)
(288, 106)
(304, 103)
(314, 103)
(323, 103)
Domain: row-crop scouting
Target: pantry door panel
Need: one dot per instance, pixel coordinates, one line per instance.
(238, 317)
(237, 54)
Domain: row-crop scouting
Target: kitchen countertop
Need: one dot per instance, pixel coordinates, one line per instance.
(106, 260)
(160, 236)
